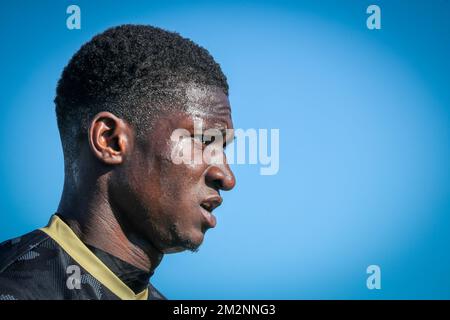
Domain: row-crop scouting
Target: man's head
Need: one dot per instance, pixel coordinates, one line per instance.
(118, 102)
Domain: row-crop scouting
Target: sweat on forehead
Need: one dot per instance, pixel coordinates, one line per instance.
(206, 101)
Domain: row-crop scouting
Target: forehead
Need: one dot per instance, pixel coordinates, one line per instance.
(209, 104)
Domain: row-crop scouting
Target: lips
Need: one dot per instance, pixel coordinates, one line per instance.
(207, 206)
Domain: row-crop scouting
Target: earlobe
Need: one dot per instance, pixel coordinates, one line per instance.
(108, 138)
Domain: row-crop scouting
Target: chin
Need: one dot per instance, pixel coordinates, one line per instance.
(173, 250)
(182, 242)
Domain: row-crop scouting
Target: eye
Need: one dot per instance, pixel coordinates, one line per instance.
(207, 140)
(204, 140)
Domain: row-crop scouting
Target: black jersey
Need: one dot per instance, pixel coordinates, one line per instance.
(53, 263)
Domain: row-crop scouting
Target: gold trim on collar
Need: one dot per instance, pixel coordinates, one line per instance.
(68, 240)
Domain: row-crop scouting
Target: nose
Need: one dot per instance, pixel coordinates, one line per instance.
(220, 178)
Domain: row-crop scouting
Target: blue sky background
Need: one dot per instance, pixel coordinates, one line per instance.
(364, 119)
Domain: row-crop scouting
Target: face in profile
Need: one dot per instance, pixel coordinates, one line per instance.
(171, 204)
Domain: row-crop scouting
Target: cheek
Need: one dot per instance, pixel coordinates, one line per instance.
(167, 187)
(180, 182)
(181, 187)
(186, 159)
(214, 155)
(185, 152)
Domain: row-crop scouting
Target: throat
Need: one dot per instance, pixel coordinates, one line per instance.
(108, 236)
(135, 278)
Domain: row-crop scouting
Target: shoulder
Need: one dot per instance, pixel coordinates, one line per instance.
(23, 263)
(20, 248)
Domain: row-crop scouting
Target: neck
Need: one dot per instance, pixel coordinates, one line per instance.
(90, 215)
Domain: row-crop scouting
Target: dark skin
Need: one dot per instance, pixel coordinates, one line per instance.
(128, 198)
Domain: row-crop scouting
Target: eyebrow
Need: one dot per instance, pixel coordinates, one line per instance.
(217, 125)
(220, 108)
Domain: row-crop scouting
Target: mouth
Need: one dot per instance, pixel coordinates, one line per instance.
(207, 206)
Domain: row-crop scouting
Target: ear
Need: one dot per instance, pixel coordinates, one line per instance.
(109, 138)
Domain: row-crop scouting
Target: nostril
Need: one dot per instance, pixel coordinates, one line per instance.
(217, 179)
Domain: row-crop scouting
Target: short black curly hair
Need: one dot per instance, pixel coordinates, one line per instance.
(132, 71)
